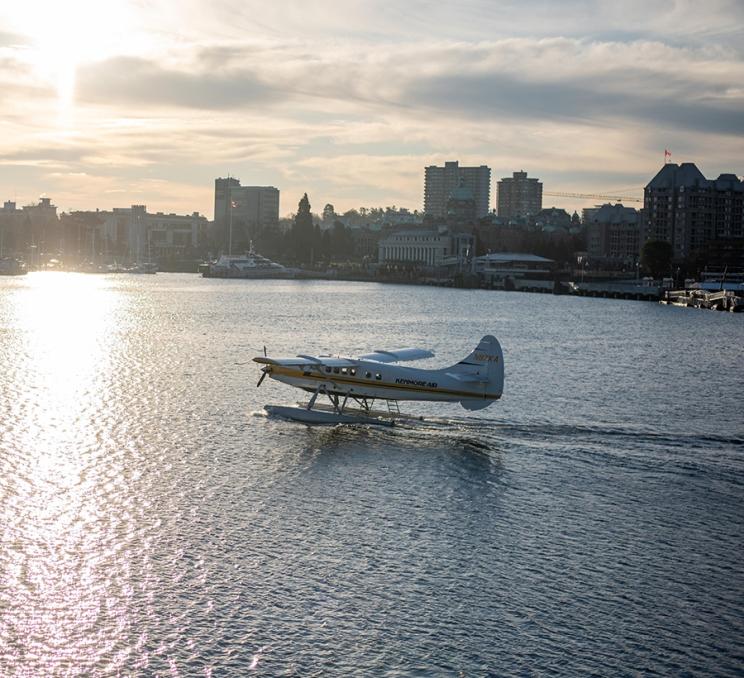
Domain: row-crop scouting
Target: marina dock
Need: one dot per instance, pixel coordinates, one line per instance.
(720, 300)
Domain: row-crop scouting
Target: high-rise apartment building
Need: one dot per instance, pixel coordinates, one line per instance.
(519, 196)
(613, 233)
(245, 208)
(441, 182)
(689, 211)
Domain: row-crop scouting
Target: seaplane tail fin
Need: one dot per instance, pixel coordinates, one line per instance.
(485, 365)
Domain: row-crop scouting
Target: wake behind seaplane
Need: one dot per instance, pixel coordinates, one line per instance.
(352, 385)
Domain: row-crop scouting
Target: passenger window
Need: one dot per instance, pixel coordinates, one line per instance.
(344, 370)
(368, 375)
(352, 371)
(378, 376)
(335, 370)
(328, 369)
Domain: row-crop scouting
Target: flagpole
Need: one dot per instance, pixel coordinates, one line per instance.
(229, 245)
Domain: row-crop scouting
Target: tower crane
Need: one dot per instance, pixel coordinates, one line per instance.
(616, 198)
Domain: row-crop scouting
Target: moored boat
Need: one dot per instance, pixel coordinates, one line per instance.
(11, 266)
(248, 265)
(143, 267)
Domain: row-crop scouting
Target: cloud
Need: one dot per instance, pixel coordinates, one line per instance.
(512, 79)
(352, 101)
(132, 80)
(390, 21)
(46, 155)
(578, 101)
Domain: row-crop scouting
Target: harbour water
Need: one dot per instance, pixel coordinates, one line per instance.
(154, 522)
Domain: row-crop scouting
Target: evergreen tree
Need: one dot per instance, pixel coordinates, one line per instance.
(656, 257)
(317, 244)
(329, 214)
(325, 245)
(303, 232)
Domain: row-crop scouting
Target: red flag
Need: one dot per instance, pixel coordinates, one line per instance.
(667, 154)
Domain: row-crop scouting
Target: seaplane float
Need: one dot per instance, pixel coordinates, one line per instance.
(353, 385)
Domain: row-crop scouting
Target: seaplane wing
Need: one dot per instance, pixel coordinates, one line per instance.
(306, 361)
(397, 355)
(299, 361)
(475, 382)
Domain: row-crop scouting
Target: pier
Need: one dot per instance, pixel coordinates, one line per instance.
(719, 300)
(617, 290)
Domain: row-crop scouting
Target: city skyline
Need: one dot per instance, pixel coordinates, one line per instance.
(107, 106)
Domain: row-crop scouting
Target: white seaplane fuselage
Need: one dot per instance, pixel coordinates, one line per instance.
(475, 382)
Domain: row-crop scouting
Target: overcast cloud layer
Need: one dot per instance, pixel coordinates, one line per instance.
(350, 102)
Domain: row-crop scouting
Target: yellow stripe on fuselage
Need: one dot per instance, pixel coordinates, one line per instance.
(299, 374)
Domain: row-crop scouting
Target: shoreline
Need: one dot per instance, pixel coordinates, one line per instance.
(631, 290)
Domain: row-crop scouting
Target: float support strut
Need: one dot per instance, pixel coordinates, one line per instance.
(314, 398)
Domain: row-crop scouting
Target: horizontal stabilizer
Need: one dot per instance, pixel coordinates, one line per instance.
(397, 355)
(468, 378)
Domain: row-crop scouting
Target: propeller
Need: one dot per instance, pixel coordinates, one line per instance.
(264, 372)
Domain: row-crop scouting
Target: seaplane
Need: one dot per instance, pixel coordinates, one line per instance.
(353, 385)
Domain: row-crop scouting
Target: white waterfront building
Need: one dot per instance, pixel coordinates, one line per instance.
(426, 248)
(144, 235)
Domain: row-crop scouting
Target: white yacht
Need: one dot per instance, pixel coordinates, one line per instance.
(248, 265)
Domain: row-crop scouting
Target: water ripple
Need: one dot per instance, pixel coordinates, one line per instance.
(153, 522)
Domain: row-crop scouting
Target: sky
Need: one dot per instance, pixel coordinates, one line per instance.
(108, 103)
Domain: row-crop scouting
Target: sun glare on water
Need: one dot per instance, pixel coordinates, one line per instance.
(69, 319)
(65, 329)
